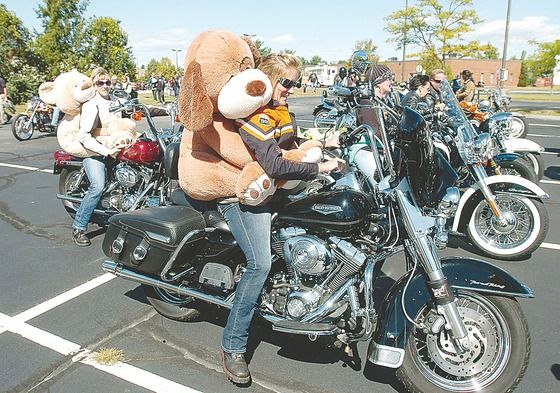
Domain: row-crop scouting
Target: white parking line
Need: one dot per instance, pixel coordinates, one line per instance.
(29, 168)
(544, 125)
(127, 372)
(544, 135)
(551, 182)
(551, 246)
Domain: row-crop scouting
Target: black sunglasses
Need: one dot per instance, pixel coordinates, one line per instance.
(437, 80)
(288, 83)
(103, 83)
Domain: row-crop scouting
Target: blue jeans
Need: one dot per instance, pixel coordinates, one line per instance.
(55, 116)
(250, 226)
(95, 171)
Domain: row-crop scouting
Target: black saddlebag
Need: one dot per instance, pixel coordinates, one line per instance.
(145, 239)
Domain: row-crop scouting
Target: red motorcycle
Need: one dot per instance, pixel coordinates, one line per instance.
(135, 179)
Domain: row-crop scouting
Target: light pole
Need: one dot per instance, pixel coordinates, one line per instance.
(176, 59)
(504, 55)
(404, 39)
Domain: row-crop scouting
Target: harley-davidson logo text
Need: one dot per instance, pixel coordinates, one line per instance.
(326, 209)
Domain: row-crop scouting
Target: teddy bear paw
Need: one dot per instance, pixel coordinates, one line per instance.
(259, 191)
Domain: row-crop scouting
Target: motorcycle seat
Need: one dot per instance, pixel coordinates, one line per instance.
(171, 160)
(212, 217)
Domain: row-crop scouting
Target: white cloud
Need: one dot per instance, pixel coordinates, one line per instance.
(283, 39)
(538, 28)
(147, 45)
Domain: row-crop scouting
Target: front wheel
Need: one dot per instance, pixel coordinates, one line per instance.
(519, 167)
(22, 128)
(322, 119)
(500, 346)
(519, 127)
(171, 305)
(525, 230)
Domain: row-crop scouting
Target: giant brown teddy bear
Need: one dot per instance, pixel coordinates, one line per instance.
(221, 84)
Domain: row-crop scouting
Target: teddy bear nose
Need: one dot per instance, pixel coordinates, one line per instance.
(255, 88)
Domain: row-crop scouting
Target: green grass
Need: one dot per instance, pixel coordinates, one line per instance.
(536, 97)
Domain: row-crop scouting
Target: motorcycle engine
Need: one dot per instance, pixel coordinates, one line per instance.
(315, 268)
(128, 183)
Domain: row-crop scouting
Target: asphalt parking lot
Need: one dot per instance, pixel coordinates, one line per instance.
(58, 310)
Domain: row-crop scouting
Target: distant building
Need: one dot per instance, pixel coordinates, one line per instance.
(486, 71)
(325, 73)
(556, 72)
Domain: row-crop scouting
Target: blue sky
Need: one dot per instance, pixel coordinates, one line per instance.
(325, 28)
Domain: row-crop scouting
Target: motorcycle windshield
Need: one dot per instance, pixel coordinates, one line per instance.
(458, 121)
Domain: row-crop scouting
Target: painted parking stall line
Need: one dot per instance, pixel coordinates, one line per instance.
(122, 370)
(544, 125)
(28, 168)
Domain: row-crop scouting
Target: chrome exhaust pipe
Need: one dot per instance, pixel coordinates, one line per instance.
(120, 271)
(69, 198)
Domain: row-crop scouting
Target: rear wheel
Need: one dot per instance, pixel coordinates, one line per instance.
(321, 119)
(172, 306)
(495, 363)
(21, 128)
(72, 182)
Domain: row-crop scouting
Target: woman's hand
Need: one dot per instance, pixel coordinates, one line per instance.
(334, 165)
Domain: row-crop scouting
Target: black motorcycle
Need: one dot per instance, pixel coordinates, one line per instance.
(447, 325)
(38, 116)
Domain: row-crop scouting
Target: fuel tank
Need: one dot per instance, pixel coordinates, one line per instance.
(339, 212)
(142, 152)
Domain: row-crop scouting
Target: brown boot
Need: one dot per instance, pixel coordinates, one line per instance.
(236, 368)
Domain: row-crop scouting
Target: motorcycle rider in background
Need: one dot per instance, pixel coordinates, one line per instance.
(433, 97)
(95, 114)
(339, 78)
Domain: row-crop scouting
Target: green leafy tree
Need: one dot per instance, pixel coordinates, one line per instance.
(315, 60)
(105, 44)
(63, 24)
(543, 61)
(163, 67)
(18, 64)
(263, 49)
(436, 26)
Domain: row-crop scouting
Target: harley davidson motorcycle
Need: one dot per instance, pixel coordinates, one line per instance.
(503, 215)
(135, 179)
(37, 117)
(447, 325)
(337, 101)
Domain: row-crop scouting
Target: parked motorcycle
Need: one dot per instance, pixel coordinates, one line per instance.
(504, 216)
(37, 117)
(498, 102)
(337, 101)
(446, 325)
(135, 179)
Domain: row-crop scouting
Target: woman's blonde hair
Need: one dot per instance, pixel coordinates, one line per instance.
(277, 66)
(98, 73)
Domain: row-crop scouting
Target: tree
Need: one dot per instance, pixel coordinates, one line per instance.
(63, 26)
(17, 61)
(105, 44)
(163, 67)
(543, 61)
(264, 50)
(436, 26)
(315, 60)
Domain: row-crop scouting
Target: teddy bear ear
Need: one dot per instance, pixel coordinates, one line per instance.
(46, 93)
(195, 107)
(254, 50)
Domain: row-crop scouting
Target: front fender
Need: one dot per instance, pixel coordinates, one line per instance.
(506, 183)
(522, 145)
(462, 273)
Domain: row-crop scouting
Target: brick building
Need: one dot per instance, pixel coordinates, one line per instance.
(487, 71)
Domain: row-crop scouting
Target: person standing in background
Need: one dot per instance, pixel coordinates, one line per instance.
(467, 91)
(3, 100)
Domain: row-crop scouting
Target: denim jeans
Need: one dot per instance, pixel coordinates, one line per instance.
(95, 171)
(250, 226)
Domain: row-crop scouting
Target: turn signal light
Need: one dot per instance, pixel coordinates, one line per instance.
(137, 116)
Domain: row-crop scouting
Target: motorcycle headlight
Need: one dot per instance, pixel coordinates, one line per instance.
(484, 105)
(500, 122)
(450, 201)
(482, 146)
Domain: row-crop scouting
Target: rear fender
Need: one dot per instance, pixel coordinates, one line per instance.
(501, 183)
(471, 274)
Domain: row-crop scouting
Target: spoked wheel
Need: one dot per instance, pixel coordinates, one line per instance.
(498, 355)
(171, 305)
(519, 127)
(72, 182)
(20, 128)
(322, 120)
(523, 233)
